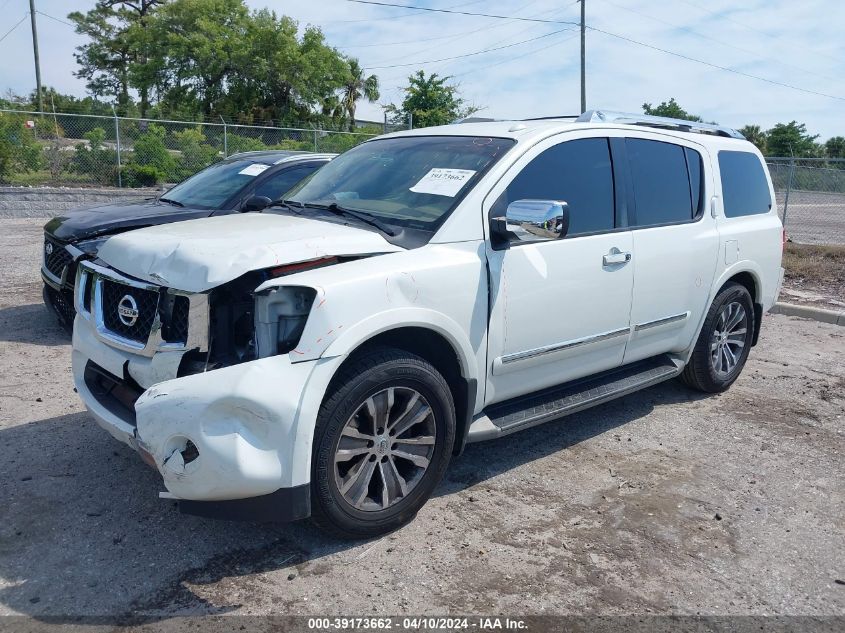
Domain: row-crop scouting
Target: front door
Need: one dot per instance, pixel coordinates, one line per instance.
(560, 309)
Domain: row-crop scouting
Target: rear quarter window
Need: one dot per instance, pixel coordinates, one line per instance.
(745, 188)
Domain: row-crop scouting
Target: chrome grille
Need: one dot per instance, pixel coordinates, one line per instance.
(128, 311)
(139, 316)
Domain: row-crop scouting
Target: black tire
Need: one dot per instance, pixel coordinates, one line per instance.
(700, 372)
(367, 378)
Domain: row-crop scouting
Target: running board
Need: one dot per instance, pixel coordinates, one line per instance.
(542, 406)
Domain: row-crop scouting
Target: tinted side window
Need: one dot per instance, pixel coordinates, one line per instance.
(578, 172)
(662, 190)
(745, 190)
(279, 184)
(695, 185)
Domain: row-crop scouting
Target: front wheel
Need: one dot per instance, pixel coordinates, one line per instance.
(383, 440)
(724, 342)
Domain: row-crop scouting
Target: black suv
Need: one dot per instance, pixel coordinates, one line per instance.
(249, 181)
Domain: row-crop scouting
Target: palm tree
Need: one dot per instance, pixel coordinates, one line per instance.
(756, 135)
(355, 87)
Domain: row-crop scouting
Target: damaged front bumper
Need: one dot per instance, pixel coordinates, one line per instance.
(234, 442)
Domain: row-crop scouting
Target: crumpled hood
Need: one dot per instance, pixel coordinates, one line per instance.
(201, 254)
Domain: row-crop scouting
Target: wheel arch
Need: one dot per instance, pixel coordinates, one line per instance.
(748, 275)
(434, 340)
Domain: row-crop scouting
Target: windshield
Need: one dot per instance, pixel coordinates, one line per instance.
(411, 181)
(214, 185)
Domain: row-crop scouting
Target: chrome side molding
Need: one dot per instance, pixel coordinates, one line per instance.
(664, 321)
(549, 349)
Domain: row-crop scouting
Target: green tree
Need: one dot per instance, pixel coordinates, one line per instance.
(356, 86)
(835, 147)
(118, 53)
(791, 139)
(286, 77)
(670, 109)
(431, 101)
(200, 46)
(756, 135)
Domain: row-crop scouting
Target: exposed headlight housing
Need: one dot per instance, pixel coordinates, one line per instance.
(281, 314)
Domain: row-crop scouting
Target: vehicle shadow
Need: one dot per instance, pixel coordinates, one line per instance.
(83, 533)
(31, 323)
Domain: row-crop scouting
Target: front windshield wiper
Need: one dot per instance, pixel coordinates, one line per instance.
(287, 204)
(335, 208)
(175, 203)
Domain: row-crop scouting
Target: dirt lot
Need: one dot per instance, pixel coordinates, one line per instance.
(815, 275)
(663, 502)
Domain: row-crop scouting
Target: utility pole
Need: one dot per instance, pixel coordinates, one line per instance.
(35, 52)
(583, 58)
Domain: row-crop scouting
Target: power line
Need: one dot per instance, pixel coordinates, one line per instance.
(434, 39)
(483, 15)
(624, 39)
(751, 28)
(716, 66)
(486, 50)
(510, 59)
(487, 29)
(718, 41)
(9, 32)
(403, 15)
(59, 20)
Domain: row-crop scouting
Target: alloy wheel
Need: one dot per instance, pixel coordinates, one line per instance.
(385, 449)
(728, 339)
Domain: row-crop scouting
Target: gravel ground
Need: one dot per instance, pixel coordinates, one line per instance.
(662, 502)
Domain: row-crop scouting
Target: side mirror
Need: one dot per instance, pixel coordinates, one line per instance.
(534, 220)
(255, 203)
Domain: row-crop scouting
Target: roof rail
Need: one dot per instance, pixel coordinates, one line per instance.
(647, 120)
(477, 119)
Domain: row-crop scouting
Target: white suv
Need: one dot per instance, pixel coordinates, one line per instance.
(426, 289)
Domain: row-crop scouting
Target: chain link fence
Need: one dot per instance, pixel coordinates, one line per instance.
(78, 150)
(811, 198)
(88, 150)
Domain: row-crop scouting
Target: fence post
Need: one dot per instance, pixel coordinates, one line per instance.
(315, 139)
(788, 188)
(117, 139)
(225, 138)
(410, 120)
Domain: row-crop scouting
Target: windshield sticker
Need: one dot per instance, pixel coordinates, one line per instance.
(441, 181)
(254, 169)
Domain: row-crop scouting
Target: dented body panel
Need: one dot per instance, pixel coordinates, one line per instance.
(203, 254)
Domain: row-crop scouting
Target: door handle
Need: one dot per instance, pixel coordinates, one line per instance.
(616, 258)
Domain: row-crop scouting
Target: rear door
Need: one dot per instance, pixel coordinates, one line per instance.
(675, 238)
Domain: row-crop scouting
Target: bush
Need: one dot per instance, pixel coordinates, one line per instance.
(236, 144)
(141, 176)
(19, 152)
(94, 160)
(291, 144)
(339, 143)
(196, 153)
(150, 151)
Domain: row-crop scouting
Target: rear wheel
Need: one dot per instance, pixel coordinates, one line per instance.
(382, 443)
(724, 342)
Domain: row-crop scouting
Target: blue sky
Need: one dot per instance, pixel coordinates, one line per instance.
(796, 43)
